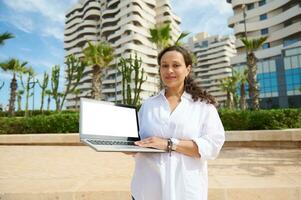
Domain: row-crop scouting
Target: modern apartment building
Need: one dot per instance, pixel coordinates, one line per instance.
(279, 60)
(213, 55)
(125, 24)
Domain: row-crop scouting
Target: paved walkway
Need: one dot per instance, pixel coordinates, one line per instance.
(78, 172)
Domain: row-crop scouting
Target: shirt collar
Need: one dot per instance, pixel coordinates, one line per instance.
(184, 95)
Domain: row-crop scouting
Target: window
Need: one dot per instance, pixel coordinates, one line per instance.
(272, 64)
(250, 6)
(264, 31)
(205, 43)
(293, 80)
(290, 41)
(263, 17)
(294, 60)
(266, 45)
(287, 63)
(261, 2)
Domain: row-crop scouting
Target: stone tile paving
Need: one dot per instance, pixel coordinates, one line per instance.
(78, 172)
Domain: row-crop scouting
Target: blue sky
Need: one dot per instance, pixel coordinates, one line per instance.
(38, 26)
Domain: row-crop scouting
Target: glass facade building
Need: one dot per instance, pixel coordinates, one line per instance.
(279, 79)
(279, 59)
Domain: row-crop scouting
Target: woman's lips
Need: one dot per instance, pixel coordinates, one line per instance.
(170, 77)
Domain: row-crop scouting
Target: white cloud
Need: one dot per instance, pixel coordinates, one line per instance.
(5, 76)
(41, 16)
(54, 31)
(53, 10)
(41, 64)
(21, 22)
(221, 6)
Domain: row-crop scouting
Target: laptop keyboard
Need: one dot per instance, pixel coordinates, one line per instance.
(108, 142)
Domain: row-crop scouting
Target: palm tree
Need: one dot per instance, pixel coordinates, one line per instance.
(228, 85)
(251, 46)
(242, 79)
(181, 36)
(14, 66)
(99, 56)
(161, 36)
(5, 36)
(19, 98)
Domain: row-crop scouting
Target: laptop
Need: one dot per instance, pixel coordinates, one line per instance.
(106, 126)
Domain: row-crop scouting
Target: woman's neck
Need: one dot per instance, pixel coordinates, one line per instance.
(176, 92)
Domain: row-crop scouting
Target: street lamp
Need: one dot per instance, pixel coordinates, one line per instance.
(244, 16)
(245, 27)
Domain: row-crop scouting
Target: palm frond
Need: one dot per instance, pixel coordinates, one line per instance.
(253, 44)
(5, 36)
(181, 36)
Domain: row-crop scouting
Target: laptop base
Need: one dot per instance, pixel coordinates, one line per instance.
(122, 148)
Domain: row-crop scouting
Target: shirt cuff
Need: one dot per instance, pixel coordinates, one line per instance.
(207, 149)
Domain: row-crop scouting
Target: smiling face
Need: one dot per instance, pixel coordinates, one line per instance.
(173, 70)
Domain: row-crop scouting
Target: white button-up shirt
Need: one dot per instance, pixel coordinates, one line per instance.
(159, 176)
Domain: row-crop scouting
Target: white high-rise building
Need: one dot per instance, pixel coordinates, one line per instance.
(213, 55)
(279, 60)
(125, 25)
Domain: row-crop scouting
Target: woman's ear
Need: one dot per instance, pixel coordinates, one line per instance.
(188, 69)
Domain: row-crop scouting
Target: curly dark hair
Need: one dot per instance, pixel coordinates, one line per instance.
(197, 92)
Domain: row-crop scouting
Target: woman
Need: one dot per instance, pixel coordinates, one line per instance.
(181, 119)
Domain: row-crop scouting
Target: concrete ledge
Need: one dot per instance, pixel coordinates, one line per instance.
(41, 139)
(264, 135)
(257, 136)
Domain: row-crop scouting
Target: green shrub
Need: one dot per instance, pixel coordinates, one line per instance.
(35, 112)
(67, 121)
(234, 120)
(261, 119)
(56, 123)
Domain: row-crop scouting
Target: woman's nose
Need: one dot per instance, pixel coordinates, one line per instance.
(169, 69)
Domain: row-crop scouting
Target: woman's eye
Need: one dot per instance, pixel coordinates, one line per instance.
(177, 65)
(164, 66)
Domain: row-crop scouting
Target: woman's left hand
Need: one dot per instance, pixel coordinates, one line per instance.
(153, 142)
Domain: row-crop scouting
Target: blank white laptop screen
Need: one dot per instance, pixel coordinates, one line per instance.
(108, 120)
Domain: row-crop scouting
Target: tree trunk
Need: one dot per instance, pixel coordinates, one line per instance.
(96, 82)
(76, 102)
(26, 102)
(229, 101)
(253, 87)
(48, 103)
(13, 93)
(19, 99)
(42, 101)
(58, 107)
(242, 101)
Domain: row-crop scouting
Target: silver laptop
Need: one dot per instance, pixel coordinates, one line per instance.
(106, 126)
